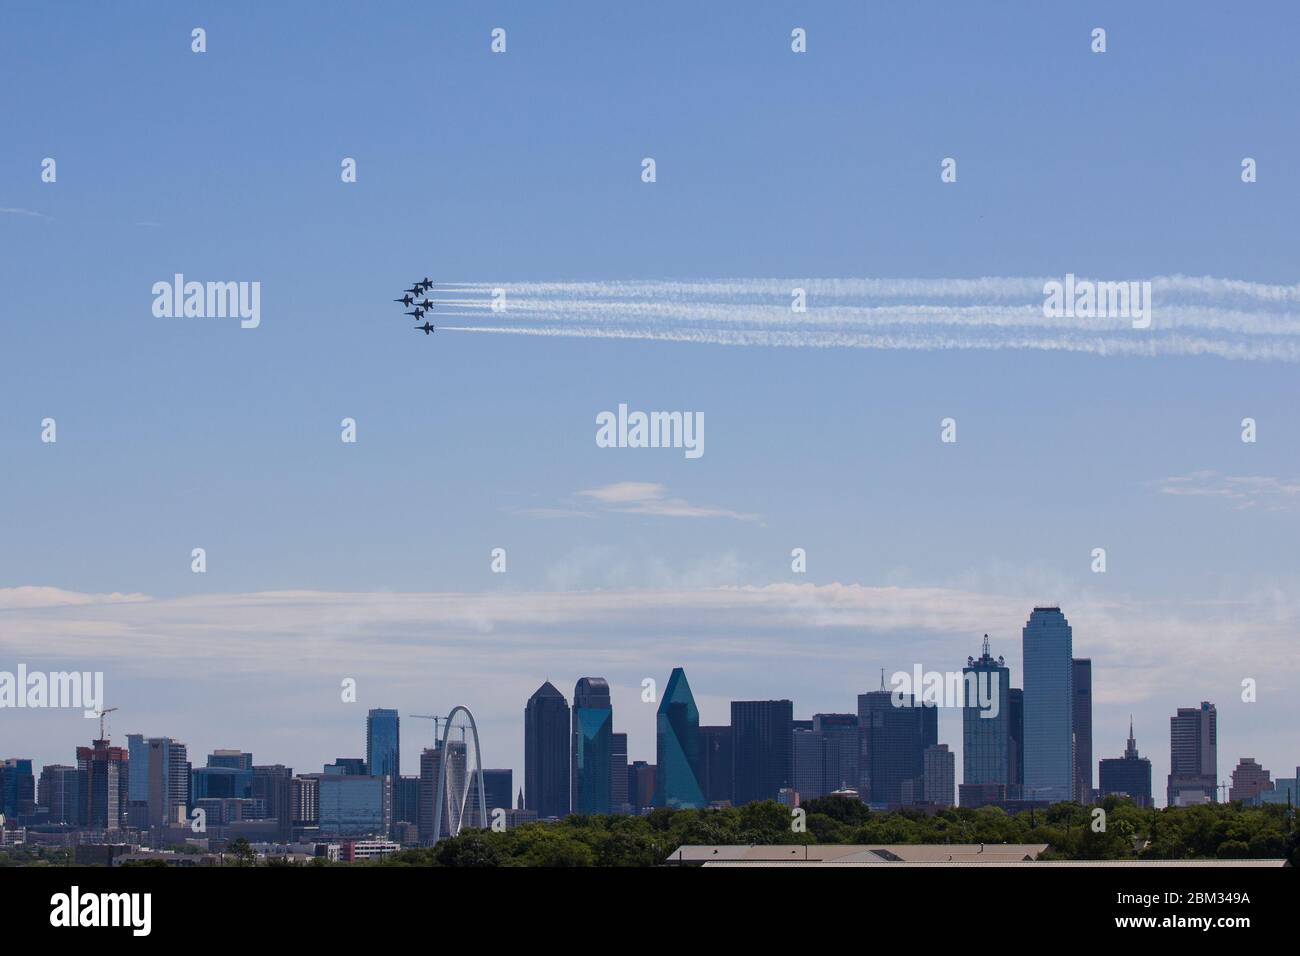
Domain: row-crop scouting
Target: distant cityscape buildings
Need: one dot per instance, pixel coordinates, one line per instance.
(1127, 776)
(1193, 756)
(1021, 747)
(1049, 706)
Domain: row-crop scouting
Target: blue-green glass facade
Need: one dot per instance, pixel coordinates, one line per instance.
(677, 746)
(593, 738)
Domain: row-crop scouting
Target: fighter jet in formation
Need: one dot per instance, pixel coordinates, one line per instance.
(412, 297)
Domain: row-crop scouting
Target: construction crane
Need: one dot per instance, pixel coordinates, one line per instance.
(436, 721)
(102, 714)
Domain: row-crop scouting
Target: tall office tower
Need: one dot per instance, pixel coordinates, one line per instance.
(677, 746)
(304, 801)
(808, 754)
(383, 743)
(137, 785)
(986, 756)
(641, 785)
(273, 785)
(17, 787)
(406, 800)
(497, 788)
(546, 753)
(430, 760)
(893, 741)
(1249, 780)
(1128, 776)
(618, 774)
(58, 793)
(234, 759)
(1016, 748)
(102, 781)
(1081, 719)
(1193, 756)
(716, 764)
(166, 779)
(940, 775)
(593, 727)
(840, 750)
(1049, 706)
(761, 749)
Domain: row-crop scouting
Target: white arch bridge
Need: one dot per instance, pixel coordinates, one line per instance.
(456, 802)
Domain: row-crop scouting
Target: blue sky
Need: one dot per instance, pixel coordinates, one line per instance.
(473, 167)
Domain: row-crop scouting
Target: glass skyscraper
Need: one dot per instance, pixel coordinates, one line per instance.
(677, 746)
(762, 745)
(593, 728)
(383, 744)
(986, 731)
(546, 752)
(1082, 722)
(716, 763)
(1049, 706)
(893, 741)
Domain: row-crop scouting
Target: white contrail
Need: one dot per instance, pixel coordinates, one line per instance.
(1190, 315)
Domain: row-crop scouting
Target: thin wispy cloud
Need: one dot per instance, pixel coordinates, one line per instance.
(1191, 316)
(649, 498)
(32, 213)
(1262, 492)
(632, 498)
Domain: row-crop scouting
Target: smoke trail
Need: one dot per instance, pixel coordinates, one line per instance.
(1190, 315)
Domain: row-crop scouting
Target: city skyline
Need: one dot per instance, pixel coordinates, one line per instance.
(577, 732)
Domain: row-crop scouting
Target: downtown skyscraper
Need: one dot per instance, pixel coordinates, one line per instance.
(677, 746)
(1049, 706)
(383, 743)
(986, 731)
(591, 760)
(893, 737)
(761, 749)
(546, 753)
(1081, 720)
(1193, 755)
